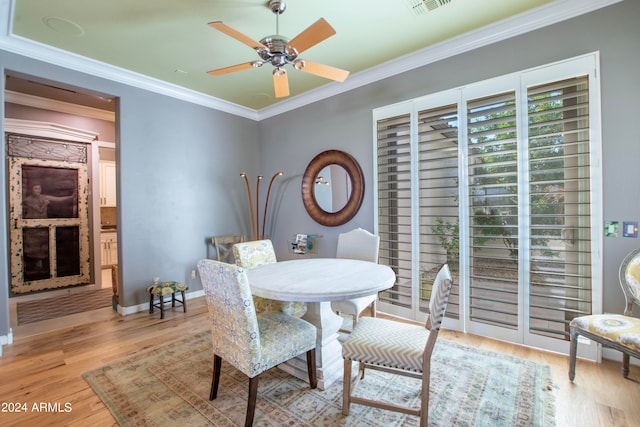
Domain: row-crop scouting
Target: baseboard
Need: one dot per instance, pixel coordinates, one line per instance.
(125, 311)
(6, 339)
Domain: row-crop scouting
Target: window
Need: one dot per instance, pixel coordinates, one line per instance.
(499, 181)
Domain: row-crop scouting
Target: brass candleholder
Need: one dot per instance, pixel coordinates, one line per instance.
(256, 231)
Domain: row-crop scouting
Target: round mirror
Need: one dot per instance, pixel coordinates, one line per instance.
(332, 188)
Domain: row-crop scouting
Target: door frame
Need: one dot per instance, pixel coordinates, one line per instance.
(59, 131)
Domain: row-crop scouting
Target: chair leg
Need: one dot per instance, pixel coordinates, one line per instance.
(251, 405)
(346, 387)
(161, 306)
(424, 404)
(573, 349)
(625, 365)
(215, 378)
(311, 368)
(184, 302)
(150, 303)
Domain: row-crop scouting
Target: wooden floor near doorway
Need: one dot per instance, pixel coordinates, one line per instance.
(47, 367)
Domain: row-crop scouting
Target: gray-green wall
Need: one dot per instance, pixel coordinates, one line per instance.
(179, 166)
(179, 162)
(345, 122)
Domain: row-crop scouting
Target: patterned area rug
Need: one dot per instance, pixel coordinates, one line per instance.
(72, 303)
(169, 386)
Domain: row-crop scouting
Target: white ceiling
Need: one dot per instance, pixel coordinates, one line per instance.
(168, 42)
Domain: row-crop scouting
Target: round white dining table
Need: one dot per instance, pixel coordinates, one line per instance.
(318, 281)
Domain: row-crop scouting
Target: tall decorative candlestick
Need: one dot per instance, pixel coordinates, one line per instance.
(256, 232)
(266, 203)
(246, 180)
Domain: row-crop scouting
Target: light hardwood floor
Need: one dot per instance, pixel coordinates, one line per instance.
(47, 366)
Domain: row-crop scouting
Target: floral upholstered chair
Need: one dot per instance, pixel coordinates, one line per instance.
(257, 253)
(396, 347)
(617, 331)
(251, 343)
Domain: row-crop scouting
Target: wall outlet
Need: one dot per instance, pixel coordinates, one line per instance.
(193, 274)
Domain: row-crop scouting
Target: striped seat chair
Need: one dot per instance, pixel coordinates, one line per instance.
(396, 347)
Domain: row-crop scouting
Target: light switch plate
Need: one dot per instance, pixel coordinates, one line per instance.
(630, 229)
(611, 229)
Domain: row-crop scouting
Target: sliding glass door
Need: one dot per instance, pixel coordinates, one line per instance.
(499, 181)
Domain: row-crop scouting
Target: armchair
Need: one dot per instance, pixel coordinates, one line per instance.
(618, 331)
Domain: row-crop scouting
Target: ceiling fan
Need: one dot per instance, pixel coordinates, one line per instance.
(279, 51)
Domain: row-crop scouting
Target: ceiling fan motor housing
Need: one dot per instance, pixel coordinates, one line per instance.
(278, 51)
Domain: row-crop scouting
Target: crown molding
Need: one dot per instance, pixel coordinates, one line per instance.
(59, 106)
(551, 13)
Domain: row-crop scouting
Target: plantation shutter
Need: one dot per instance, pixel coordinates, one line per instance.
(394, 205)
(560, 205)
(493, 209)
(499, 180)
(438, 183)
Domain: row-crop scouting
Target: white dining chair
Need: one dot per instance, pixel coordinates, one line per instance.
(362, 245)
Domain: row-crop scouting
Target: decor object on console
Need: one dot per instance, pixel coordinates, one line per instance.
(617, 331)
(257, 232)
(279, 51)
(400, 348)
(302, 244)
(251, 343)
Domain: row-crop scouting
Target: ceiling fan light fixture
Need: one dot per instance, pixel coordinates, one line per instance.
(279, 72)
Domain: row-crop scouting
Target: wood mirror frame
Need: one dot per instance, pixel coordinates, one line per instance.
(319, 162)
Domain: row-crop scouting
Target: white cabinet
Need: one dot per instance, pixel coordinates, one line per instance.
(107, 183)
(108, 249)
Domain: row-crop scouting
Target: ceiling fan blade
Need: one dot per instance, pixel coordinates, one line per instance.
(325, 71)
(222, 27)
(281, 85)
(231, 69)
(314, 34)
